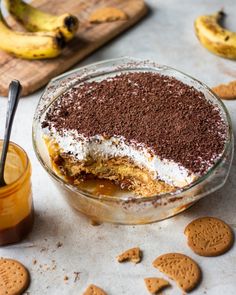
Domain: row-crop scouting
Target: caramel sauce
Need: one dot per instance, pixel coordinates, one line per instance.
(17, 232)
(16, 205)
(100, 187)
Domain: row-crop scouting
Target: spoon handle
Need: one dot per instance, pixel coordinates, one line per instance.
(13, 99)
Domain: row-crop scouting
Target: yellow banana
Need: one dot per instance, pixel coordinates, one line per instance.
(34, 20)
(30, 45)
(214, 37)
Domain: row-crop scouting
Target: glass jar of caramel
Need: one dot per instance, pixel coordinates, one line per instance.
(16, 204)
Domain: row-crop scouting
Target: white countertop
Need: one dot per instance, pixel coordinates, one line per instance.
(167, 37)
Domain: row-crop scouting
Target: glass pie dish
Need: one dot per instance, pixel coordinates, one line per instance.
(126, 208)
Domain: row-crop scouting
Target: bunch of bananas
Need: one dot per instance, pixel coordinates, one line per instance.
(47, 34)
(214, 37)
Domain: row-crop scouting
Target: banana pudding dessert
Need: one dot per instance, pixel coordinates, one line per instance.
(147, 133)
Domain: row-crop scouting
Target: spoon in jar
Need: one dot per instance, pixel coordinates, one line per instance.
(13, 99)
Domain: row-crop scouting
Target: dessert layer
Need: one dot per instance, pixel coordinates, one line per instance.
(98, 147)
(121, 170)
(168, 127)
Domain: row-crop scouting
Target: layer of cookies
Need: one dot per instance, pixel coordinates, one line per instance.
(120, 170)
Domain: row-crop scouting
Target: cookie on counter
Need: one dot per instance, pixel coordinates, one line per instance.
(209, 236)
(180, 268)
(14, 277)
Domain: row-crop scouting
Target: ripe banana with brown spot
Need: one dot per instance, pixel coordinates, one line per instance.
(27, 45)
(35, 20)
(214, 37)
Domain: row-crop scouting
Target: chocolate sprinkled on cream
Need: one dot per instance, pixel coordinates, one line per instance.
(170, 118)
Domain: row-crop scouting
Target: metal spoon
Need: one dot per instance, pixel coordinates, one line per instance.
(13, 99)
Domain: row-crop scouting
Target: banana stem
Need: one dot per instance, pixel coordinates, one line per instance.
(220, 15)
(71, 23)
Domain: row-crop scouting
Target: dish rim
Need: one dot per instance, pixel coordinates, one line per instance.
(126, 63)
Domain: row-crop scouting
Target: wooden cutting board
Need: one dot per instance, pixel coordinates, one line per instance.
(35, 74)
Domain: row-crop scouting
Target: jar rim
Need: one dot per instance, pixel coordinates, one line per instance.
(5, 190)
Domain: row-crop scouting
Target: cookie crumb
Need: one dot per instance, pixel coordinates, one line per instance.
(54, 266)
(59, 244)
(66, 278)
(155, 285)
(134, 255)
(94, 290)
(43, 249)
(34, 261)
(77, 276)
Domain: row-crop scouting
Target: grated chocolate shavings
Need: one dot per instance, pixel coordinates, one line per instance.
(170, 118)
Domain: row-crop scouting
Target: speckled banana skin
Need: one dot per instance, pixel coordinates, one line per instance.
(29, 45)
(35, 20)
(214, 37)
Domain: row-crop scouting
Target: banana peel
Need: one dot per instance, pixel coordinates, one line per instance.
(38, 45)
(214, 37)
(35, 20)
